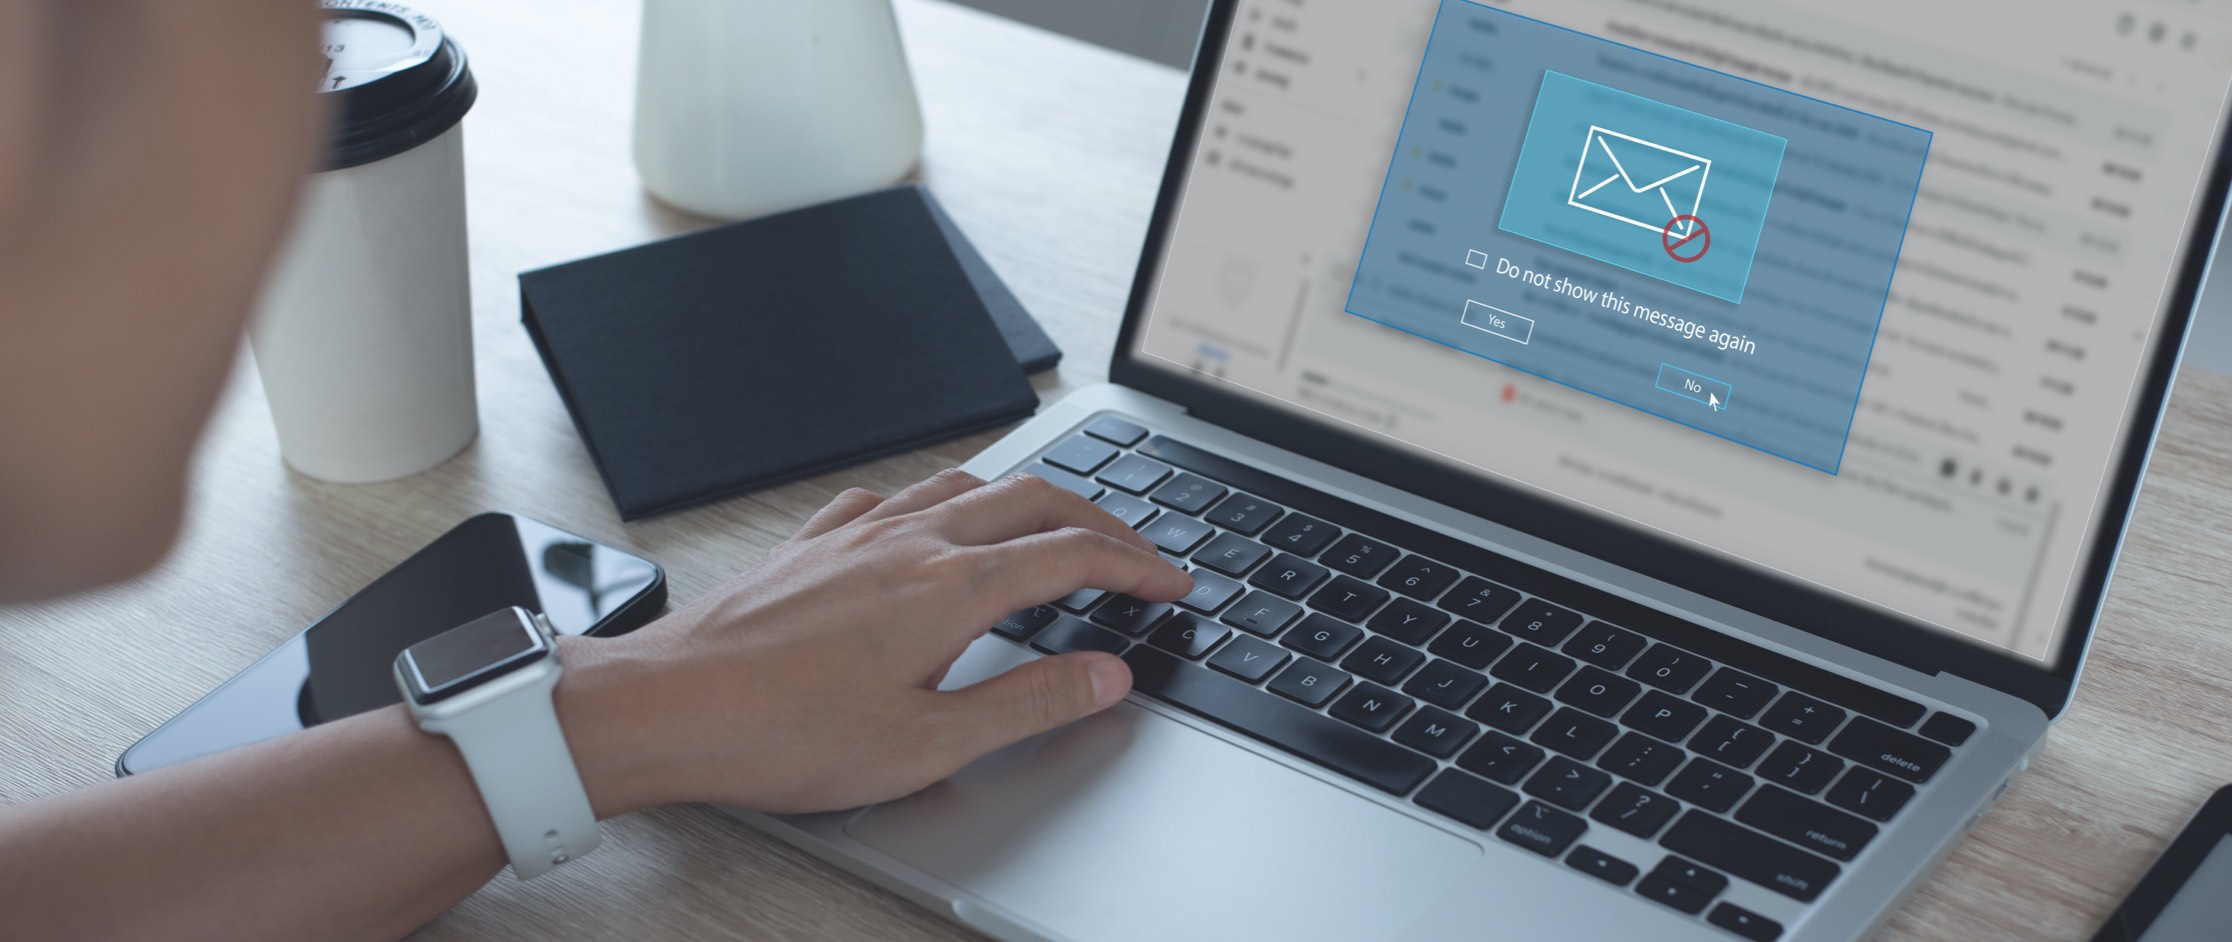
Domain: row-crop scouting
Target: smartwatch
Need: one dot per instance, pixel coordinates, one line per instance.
(487, 684)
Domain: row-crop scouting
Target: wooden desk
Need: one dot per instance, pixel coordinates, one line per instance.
(1047, 151)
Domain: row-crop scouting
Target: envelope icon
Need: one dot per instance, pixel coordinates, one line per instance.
(1638, 182)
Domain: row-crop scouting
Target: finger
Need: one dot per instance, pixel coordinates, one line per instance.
(934, 490)
(1023, 504)
(842, 509)
(1027, 700)
(1029, 571)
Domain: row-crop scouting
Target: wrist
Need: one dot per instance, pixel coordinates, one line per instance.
(604, 708)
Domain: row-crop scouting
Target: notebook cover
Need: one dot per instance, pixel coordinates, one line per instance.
(1033, 348)
(718, 362)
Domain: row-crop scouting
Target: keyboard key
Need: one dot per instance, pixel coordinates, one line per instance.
(1470, 644)
(1709, 785)
(1636, 810)
(1408, 621)
(1080, 455)
(1800, 769)
(1129, 615)
(1641, 758)
(1244, 515)
(1176, 534)
(1542, 829)
(1082, 600)
(1534, 668)
(1321, 637)
(1371, 706)
(1130, 510)
(1262, 613)
(1135, 474)
(1691, 874)
(1189, 636)
(1309, 682)
(1360, 556)
(1870, 793)
(1419, 577)
(1445, 685)
(1023, 624)
(1231, 555)
(1509, 708)
(1601, 865)
(1066, 481)
(1735, 693)
(1301, 535)
(1480, 600)
(1188, 492)
(1605, 646)
(1574, 733)
(1347, 598)
(1663, 716)
(1320, 739)
(1567, 784)
(1670, 669)
(1598, 692)
(1249, 659)
(1802, 718)
(1806, 823)
(1436, 732)
(1384, 661)
(1288, 575)
(1947, 728)
(1500, 757)
(1068, 634)
(1467, 799)
(1659, 889)
(1745, 923)
(1210, 592)
(1900, 753)
(1750, 855)
(1731, 743)
(1541, 622)
(1116, 430)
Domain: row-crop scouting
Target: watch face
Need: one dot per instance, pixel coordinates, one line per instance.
(472, 654)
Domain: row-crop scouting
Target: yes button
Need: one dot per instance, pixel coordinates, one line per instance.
(1498, 321)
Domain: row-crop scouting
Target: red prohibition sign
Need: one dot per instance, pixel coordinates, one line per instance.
(1699, 235)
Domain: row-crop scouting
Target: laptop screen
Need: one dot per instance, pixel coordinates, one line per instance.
(1840, 292)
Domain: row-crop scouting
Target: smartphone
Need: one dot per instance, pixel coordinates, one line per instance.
(344, 664)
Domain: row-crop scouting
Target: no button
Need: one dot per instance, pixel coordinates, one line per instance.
(1703, 390)
(1498, 321)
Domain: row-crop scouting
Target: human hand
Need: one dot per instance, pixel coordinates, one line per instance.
(809, 683)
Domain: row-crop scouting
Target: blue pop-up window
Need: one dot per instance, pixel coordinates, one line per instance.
(1698, 246)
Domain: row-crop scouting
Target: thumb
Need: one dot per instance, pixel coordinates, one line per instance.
(1033, 698)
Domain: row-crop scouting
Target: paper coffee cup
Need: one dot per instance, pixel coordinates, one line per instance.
(364, 333)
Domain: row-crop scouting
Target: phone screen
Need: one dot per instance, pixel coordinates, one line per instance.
(344, 664)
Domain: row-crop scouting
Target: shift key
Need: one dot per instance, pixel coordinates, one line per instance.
(1749, 854)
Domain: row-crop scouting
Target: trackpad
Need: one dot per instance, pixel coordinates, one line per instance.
(1130, 826)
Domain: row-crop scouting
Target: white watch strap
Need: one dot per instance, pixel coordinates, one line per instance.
(525, 772)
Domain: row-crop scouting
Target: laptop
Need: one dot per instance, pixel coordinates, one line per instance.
(1650, 469)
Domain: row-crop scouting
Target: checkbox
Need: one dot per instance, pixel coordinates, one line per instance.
(1476, 259)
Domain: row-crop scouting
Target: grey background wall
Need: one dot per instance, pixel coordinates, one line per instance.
(1162, 30)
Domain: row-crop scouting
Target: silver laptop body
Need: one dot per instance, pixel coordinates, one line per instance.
(1154, 822)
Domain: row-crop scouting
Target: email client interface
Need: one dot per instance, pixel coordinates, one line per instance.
(1829, 290)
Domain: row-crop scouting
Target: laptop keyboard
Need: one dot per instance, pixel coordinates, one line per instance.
(1498, 695)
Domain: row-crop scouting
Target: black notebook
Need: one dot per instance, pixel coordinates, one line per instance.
(715, 363)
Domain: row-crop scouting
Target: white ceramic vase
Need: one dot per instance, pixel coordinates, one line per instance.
(748, 107)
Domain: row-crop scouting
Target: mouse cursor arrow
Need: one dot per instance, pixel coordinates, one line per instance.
(1713, 399)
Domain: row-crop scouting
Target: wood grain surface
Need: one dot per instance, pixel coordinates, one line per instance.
(1047, 151)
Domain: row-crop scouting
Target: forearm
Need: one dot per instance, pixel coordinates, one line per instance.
(362, 829)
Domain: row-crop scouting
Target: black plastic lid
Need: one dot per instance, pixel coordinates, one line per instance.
(399, 82)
